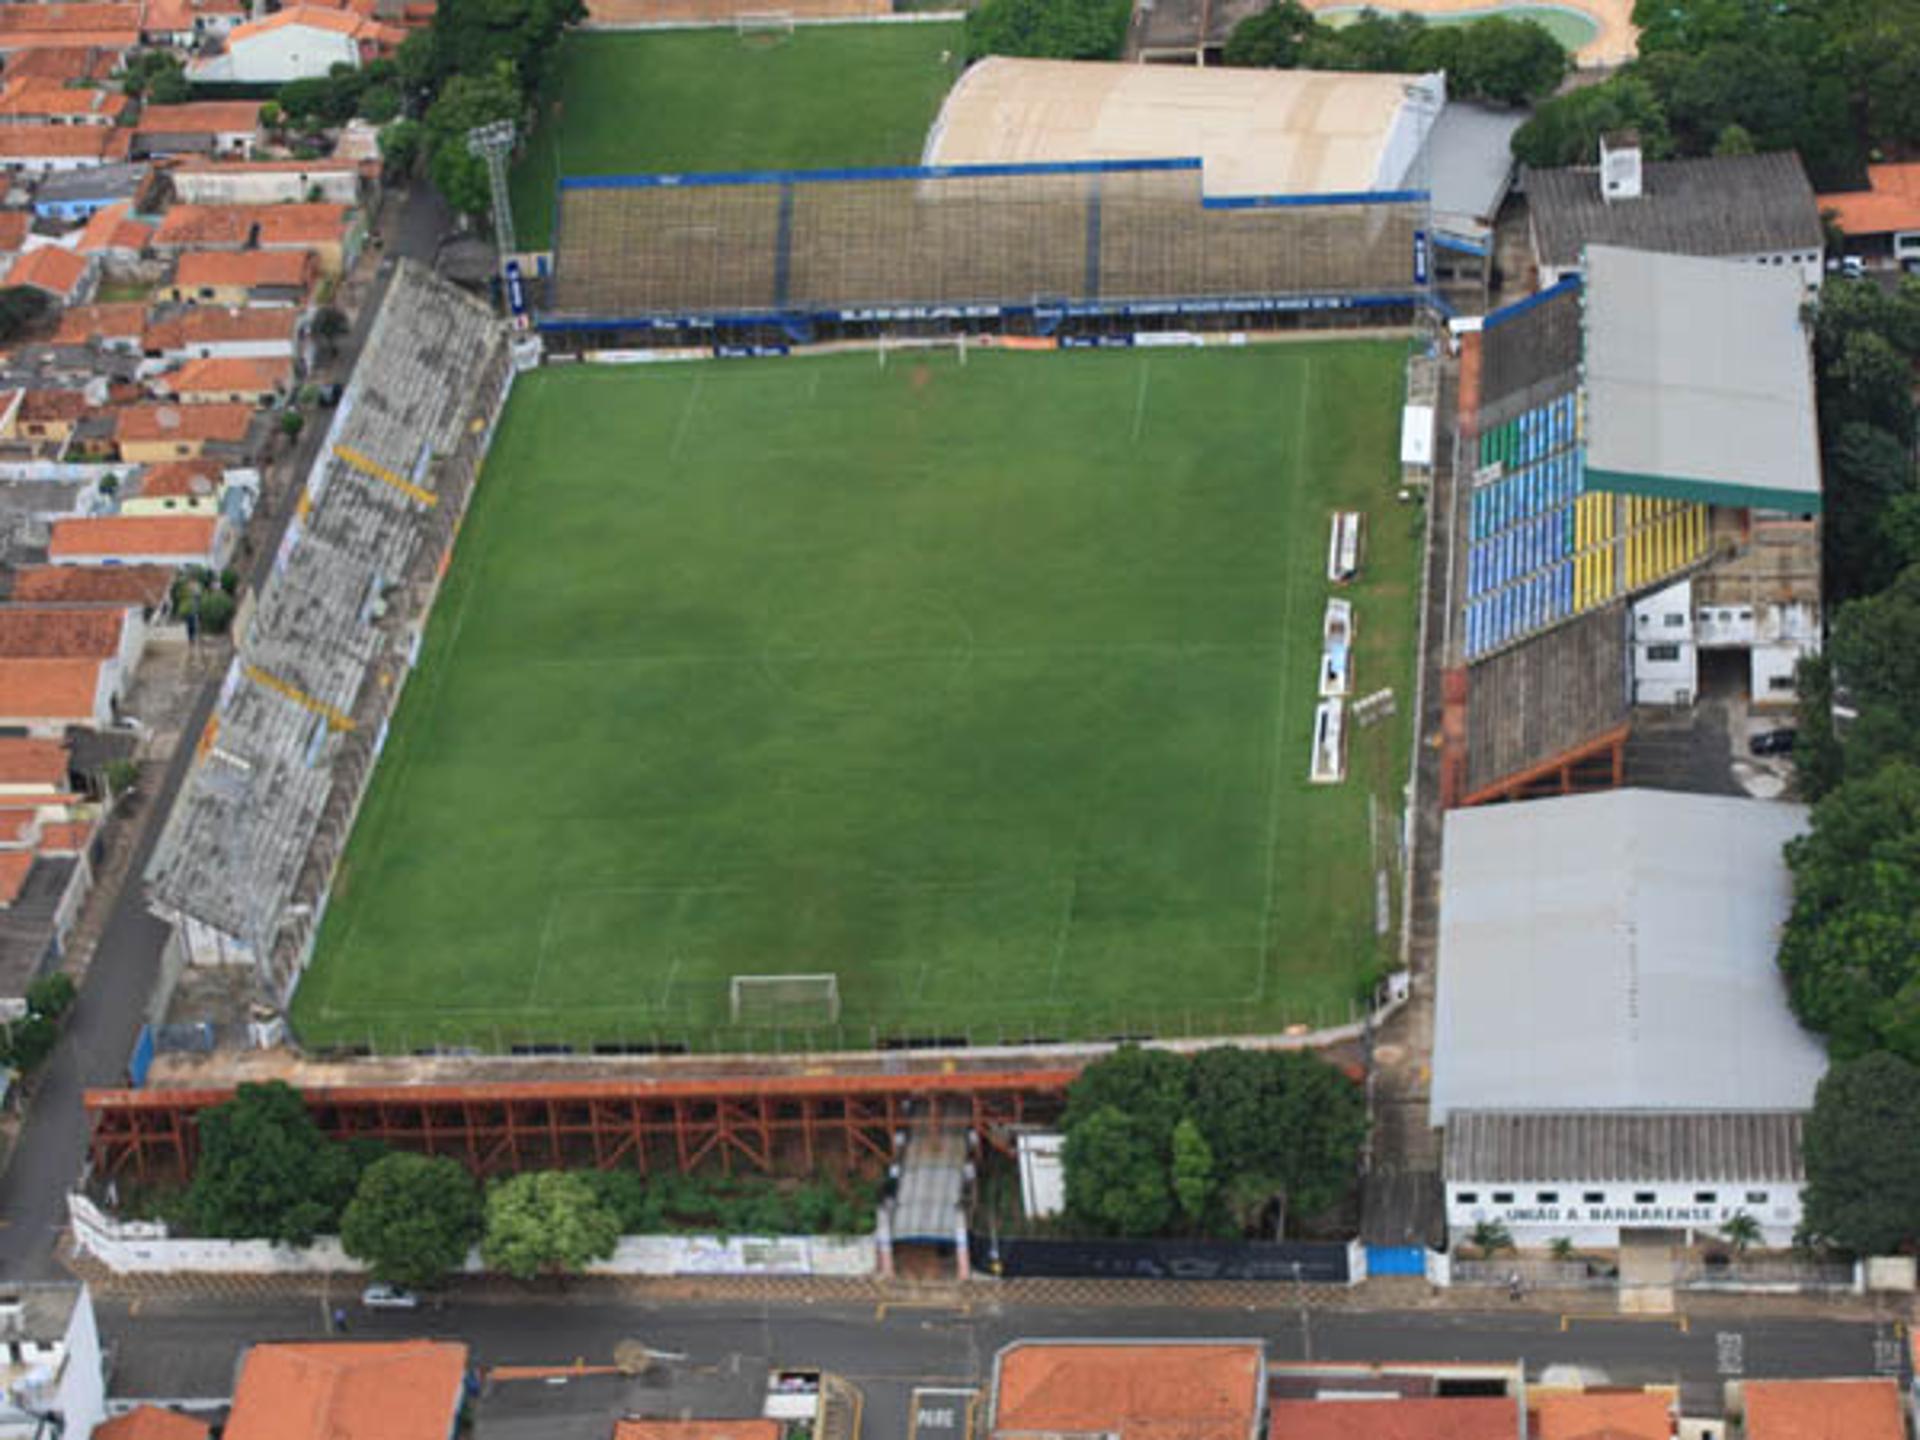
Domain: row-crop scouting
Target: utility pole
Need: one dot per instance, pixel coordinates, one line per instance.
(1306, 1317)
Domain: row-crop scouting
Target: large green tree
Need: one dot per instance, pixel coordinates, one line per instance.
(1049, 29)
(466, 102)
(412, 1219)
(546, 1222)
(1275, 38)
(265, 1171)
(1116, 1175)
(1862, 1153)
(1148, 1086)
(1566, 130)
(1874, 647)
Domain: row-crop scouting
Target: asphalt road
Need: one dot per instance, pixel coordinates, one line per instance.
(113, 1000)
(185, 1349)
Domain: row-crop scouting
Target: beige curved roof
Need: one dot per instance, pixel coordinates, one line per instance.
(1259, 132)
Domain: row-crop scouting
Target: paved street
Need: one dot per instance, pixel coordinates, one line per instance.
(100, 1032)
(178, 1348)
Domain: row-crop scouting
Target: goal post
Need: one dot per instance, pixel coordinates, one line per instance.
(765, 26)
(895, 344)
(784, 1001)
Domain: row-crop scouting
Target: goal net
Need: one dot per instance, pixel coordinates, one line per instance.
(775, 1001)
(897, 344)
(763, 27)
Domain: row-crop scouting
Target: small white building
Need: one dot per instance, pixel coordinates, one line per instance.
(1613, 1045)
(51, 1378)
(1671, 631)
(299, 43)
(267, 182)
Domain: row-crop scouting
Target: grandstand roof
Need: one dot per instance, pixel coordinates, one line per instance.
(1257, 132)
(1518, 1145)
(1615, 951)
(1699, 382)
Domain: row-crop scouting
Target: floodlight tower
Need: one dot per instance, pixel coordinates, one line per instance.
(493, 143)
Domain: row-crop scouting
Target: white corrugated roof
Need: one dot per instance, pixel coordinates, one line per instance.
(1616, 952)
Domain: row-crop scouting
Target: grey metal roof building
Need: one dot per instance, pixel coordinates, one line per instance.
(1728, 205)
(1615, 951)
(1699, 381)
(1495, 1146)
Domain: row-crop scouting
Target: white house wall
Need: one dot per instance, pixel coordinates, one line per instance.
(291, 52)
(1535, 1222)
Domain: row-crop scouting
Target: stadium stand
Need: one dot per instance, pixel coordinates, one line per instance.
(814, 254)
(243, 864)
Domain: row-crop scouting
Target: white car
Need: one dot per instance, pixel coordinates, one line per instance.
(388, 1297)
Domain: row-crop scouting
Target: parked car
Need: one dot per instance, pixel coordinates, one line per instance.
(389, 1297)
(330, 395)
(1773, 742)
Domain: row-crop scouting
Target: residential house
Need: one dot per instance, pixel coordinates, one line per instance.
(75, 196)
(349, 1390)
(115, 238)
(179, 487)
(113, 28)
(326, 230)
(116, 328)
(66, 276)
(263, 384)
(51, 1372)
(79, 64)
(1863, 1409)
(184, 24)
(1882, 222)
(149, 434)
(268, 182)
(172, 540)
(150, 1422)
(297, 43)
(147, 586)
(29, 100)
(1589, 1415)
(32, 772)
(115, 637)
(254, 277)
(47, 416)
(14, 228)
(1200, 1390)
(49, 149)
(211, 332)
(43, 697)
(200, 127)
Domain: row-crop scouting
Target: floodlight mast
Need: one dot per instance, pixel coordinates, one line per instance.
(493, 143)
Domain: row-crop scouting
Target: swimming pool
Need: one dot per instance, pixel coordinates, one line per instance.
(1572, 28)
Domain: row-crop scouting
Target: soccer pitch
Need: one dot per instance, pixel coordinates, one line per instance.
(826, 95)
(987, 688)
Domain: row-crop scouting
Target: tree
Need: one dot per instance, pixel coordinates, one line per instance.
(1147, 1086)
(1873, 647)
(1490, 1237)
(330, 326)
(400, 148)
(1734, 139)
(272, 117)
(1862, 1153)
(292, 422)
(1274, 38)
(474, 37)
(413, 1219)
(546, 1222)
(149, 68)
(1051, 29)
(29, 1041)
(1741, 1231)
(266, 1172)
(1561, 1248)
(1566, 130)
(51, 995)
(379, 104)
(21, 308)
(1508, 62)
(1116, 1175)
(170, 87)
(1819, 764)
(215, 612)
(1192, 1171)
(1867, 471)
(466, 102)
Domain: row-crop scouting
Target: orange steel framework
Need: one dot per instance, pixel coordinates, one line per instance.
(762, 1124)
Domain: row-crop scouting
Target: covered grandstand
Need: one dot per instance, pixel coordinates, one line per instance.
(243, 865)
(805, 255)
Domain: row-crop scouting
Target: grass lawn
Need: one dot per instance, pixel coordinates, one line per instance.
(986, 687)
(709, 100)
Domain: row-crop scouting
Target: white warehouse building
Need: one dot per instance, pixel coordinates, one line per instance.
(1613, 1048)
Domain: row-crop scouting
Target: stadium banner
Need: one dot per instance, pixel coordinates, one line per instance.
(1169, 339)
(1314, 1263)
(516, 290)
(1095, 342)
(1421, 262)
(750, 352)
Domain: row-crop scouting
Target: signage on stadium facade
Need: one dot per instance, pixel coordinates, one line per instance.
(1616, 1214)
(1420, 257)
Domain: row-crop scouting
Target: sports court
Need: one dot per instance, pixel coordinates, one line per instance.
(986, 687)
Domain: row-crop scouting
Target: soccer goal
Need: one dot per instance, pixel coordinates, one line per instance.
(763, 27)
(785, 1001)
(900, 344)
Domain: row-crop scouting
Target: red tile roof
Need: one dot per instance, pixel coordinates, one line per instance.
(227, 376)
(67, 19)
(697, 1430)
(348, 1391)
(1890, 202)
(30, 633)
(66, 837)
(68, 405)
(62, 142)
(282, 226)
(14, 865)
(181, 478)
(1602, 1415)
(51, 268)
(182, 422)
(222, 325)
(319, 17)
(251, 269)
(62, 62)
(235, 226)
(31, 95)
(82, 323)
(1138, 1392)
(90, 584)
(113, 228)
(13, 228)
(1823, 1410)
(48, 689)
(1393, 1417)
(202, 117)
(173, 17)
(110, 535)
(150, 1422)
(32, 762)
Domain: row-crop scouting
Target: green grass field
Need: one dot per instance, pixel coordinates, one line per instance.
(710, 100)
(987, 687)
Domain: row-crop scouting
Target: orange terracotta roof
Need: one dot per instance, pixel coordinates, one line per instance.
(19, 825)
(62, 62)
(697, 1430)
(32, 762)
(30, 633)
(14, 865)
(223, 375)
(181, 478)
(202, 117)
(185, 225)
(114, 228)
(302, 224)
(66, 405)
(1475, 1417)
(67, 19)
(117, 42)
(88, 584)
(182, 422)
(178, 16)
(150, 1422)
(1146, 1392)
(1823, 1410)
(223, 325)
(63, 142)
(31, 95)
(13, 229)
(82, 323)
(51, 268)
(216, 269)
(48, 689)
(1890, 202)
(320, 17)
(276, 226)
(348, 1391)
(1602, 1415)
(110, 535)
(66, 837)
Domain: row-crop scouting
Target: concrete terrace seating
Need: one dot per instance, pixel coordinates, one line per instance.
(292, 740)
